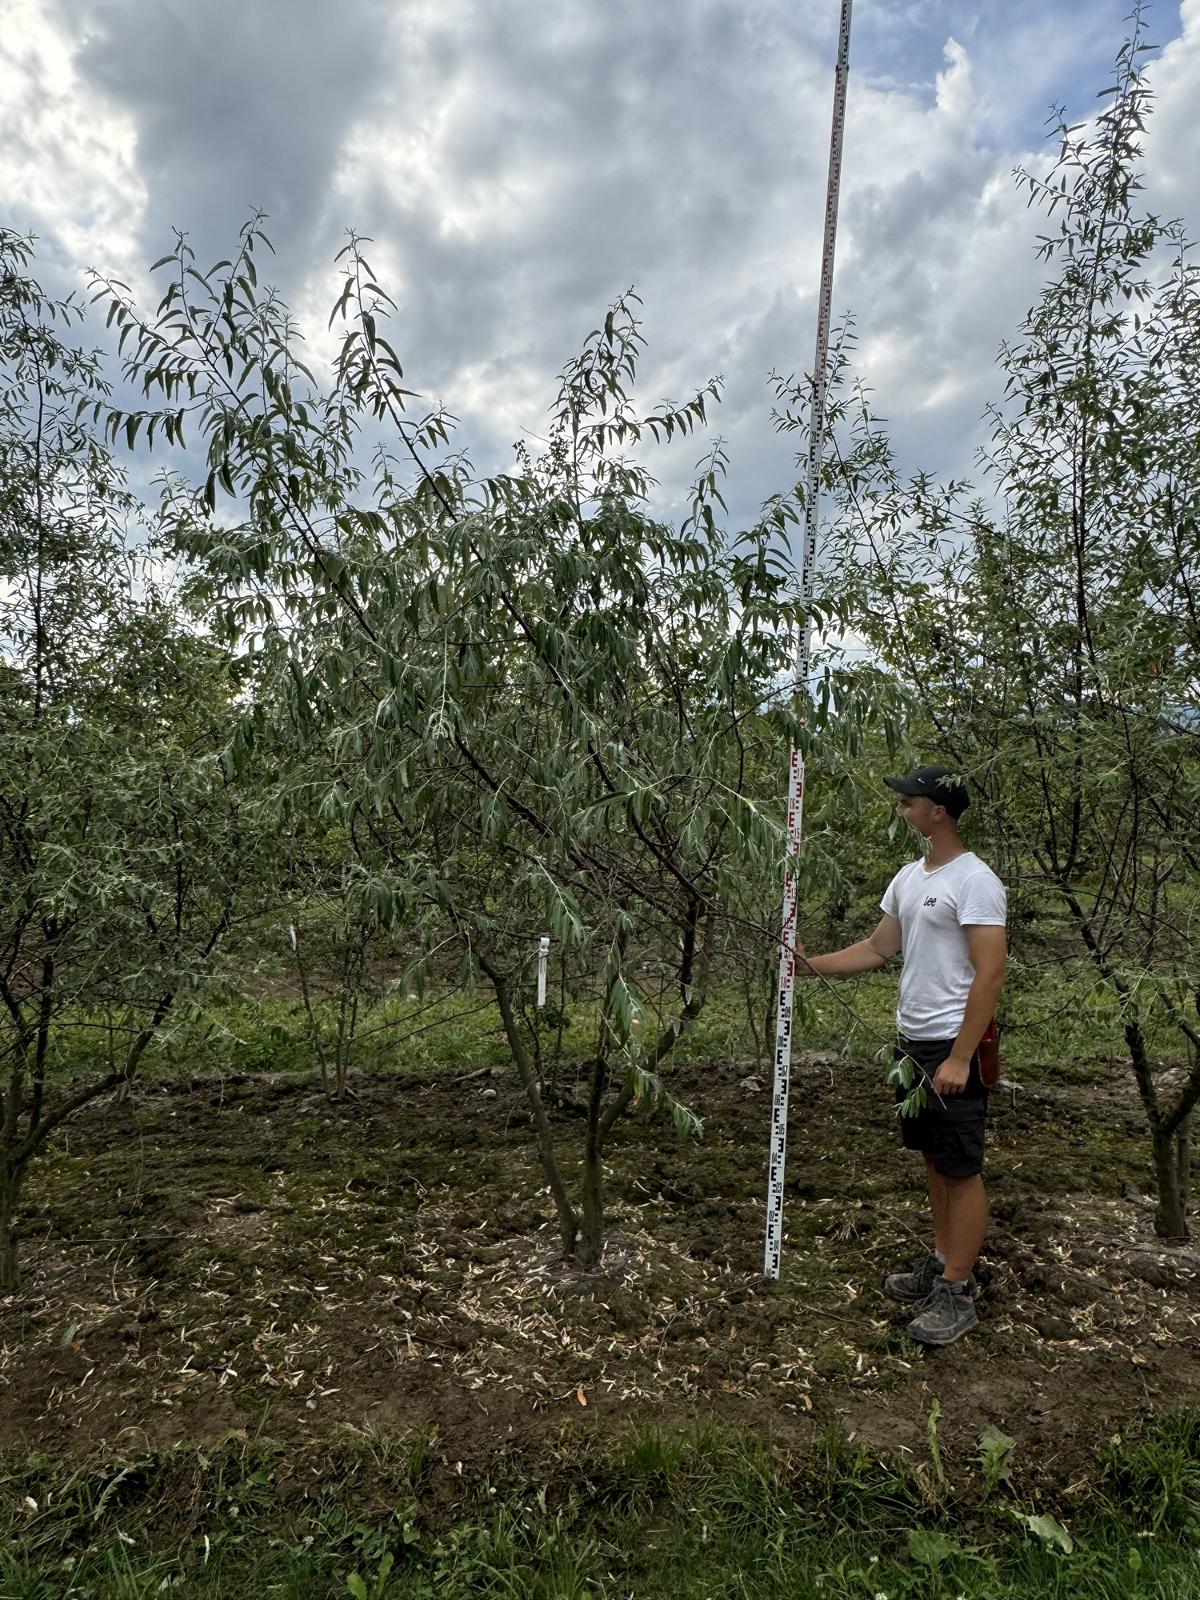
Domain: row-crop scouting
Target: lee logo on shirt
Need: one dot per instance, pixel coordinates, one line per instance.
(931, 900)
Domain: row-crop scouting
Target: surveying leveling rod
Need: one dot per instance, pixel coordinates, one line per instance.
(795, 809)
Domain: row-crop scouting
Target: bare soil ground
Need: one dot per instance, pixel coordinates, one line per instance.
(238, 1258)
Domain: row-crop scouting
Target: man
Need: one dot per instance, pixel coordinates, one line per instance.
(947, 913)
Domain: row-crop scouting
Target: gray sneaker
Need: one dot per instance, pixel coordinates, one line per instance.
(915, 1285)
(945, 1316)
(909, 1287)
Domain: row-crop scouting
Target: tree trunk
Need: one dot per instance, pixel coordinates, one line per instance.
(10, 1188)
(1170, 1135)
(347, 1023)
(561, 1022)
(567, 1221)
(591, 1234)
(1172, 1170)
(314, 1031)
(344, 1063)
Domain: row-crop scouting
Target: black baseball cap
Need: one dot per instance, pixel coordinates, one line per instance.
(936, 784)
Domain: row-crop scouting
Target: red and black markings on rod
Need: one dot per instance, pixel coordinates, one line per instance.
(777, 1162)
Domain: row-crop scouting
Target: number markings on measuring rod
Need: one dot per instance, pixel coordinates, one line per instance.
(783, 1027)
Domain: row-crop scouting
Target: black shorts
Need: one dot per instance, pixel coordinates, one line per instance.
(950, 1129)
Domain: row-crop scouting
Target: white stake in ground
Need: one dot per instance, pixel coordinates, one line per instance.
(795, 809)
(543, 957)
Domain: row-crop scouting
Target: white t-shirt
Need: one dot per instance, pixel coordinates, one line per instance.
(934, 909)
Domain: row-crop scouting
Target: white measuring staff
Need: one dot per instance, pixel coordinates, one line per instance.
(543, 957)
(795, 809)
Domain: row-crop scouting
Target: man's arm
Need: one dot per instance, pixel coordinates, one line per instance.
(869, 953)
(988, 948)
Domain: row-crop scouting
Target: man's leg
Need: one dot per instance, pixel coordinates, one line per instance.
(960, 1212)
(937, 1204)
(965, 1220)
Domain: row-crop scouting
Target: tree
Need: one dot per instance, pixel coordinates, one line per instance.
(1049, 629)
(124, 847)
(332, 938)
(545, 709)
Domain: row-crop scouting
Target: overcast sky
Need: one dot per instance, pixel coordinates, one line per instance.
(520, 163)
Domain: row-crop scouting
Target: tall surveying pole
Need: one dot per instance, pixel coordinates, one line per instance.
(795, 809)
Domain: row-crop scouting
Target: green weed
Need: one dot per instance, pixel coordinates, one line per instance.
(995, 1459)
(1156, 1478)
(651, 1453)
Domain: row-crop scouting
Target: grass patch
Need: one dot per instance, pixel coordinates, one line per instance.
(703, 1516)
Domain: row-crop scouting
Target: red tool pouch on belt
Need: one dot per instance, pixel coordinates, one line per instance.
(989, 1056)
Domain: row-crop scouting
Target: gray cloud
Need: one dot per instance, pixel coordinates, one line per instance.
(235, 105)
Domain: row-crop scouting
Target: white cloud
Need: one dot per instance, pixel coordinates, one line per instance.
(68, 157)
(956, 87)
(1174, 144)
